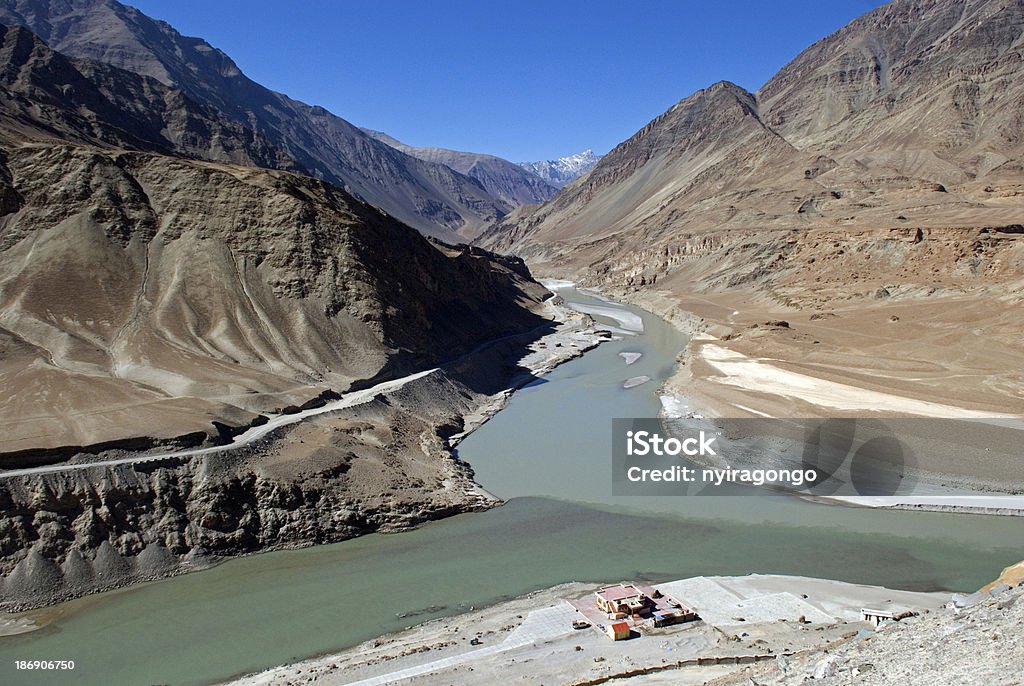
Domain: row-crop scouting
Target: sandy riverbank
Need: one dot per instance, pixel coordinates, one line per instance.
(531, 639)
(12, 625)
(716, 379)
(752, 358)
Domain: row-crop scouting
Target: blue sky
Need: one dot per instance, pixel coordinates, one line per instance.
(524, 80)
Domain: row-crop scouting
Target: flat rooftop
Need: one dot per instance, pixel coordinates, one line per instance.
(620, 592)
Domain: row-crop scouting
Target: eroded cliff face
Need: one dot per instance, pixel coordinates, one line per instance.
(815, 270)
(377, 467)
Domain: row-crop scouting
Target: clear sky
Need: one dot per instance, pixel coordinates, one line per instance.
(525, 80)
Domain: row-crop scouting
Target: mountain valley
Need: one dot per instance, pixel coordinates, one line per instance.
(874, 184)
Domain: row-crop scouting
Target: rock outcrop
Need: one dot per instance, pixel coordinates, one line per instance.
(377, 467)
(975, 645)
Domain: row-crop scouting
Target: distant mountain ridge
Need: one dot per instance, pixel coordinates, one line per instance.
(564, 170)
(430, 197)
(504, 180)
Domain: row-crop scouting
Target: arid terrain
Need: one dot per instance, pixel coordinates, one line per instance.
(432, 198)
(870, 195)
(972, 641)
(384, 464)
(171, 280)
(187, 256)
(794, 629)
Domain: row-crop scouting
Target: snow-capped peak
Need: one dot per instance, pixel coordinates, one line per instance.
(563, 170)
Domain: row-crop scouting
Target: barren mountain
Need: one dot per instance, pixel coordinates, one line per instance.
(881, 171)
(158, 288)
(47, 95)
(430, 197)
(911, 111)
(506, 181)
(143, 296)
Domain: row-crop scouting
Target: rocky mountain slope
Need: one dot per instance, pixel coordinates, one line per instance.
(430, 197)
(975, 645)
(145, 295)
(835, 139)
(47, 95)
(159, 288)
(504, 180)
(883, 165)
(380, 466)
(564, 170)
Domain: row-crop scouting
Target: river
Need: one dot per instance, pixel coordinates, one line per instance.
(548, 452)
